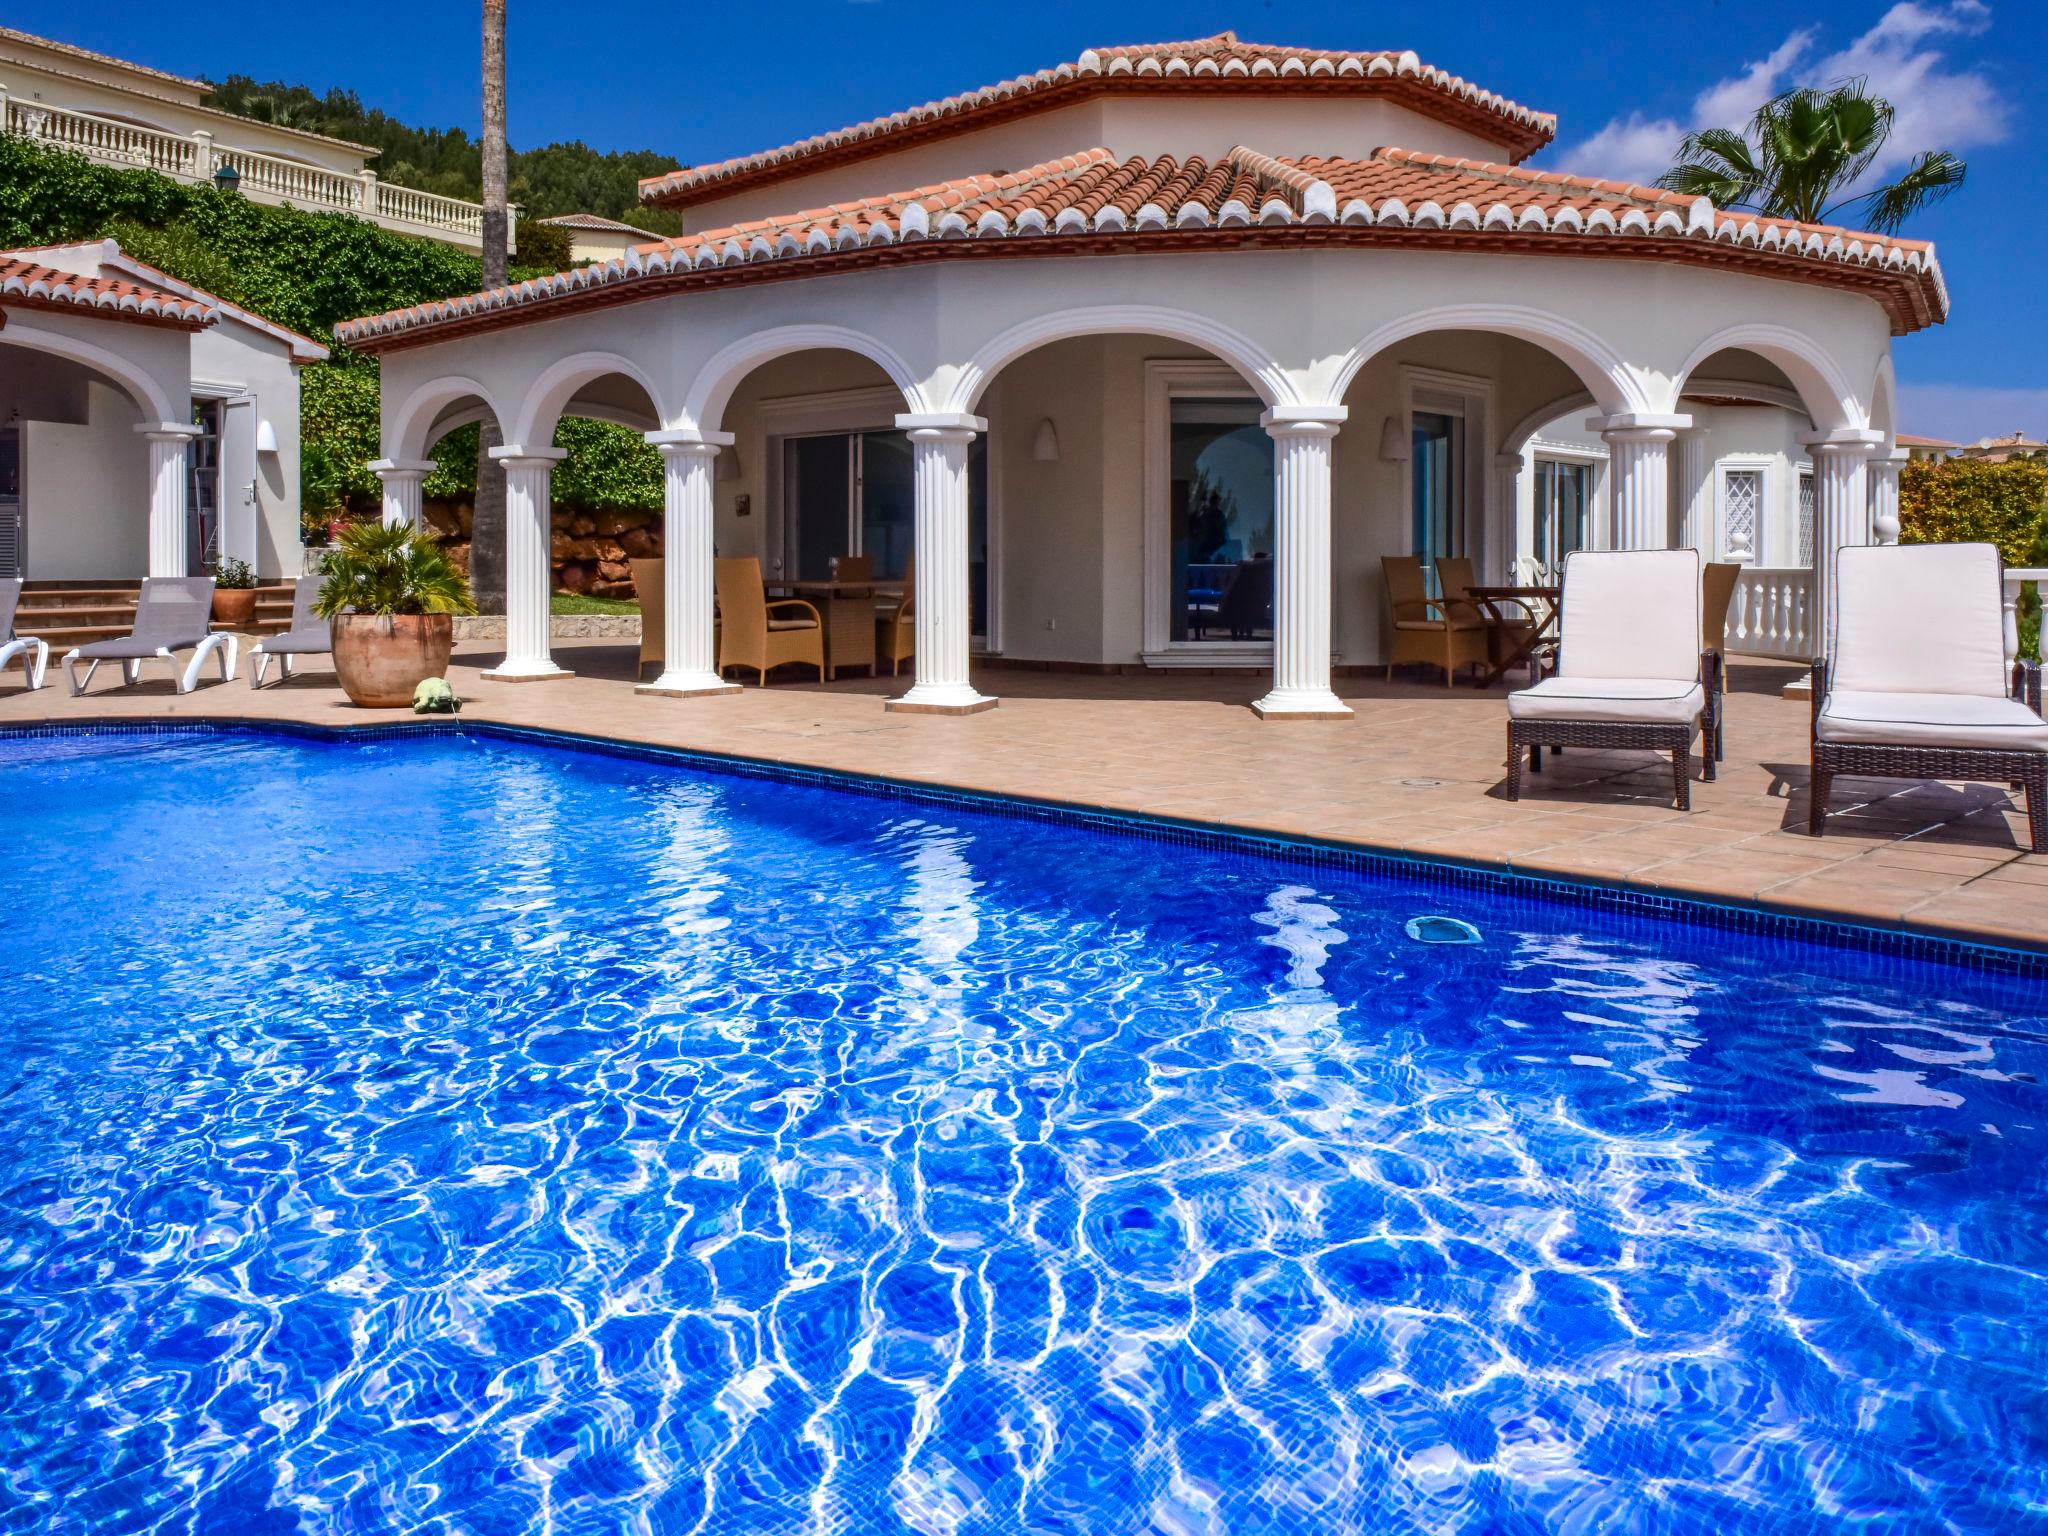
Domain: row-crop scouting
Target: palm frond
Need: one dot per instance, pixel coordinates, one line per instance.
(1926, 181)
(391, 569)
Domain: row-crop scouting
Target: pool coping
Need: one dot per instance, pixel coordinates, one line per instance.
(1776, 920)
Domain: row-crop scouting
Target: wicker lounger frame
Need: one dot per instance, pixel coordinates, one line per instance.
(2021, 770)
(1533, 736)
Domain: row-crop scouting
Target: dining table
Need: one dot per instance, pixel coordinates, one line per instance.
(848, 611)
(1539, 628)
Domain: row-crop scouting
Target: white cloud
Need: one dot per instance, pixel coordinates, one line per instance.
(1902, 56)
(1963, 413)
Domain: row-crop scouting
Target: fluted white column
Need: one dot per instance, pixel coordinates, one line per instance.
(1301, 564)
(689, 666)
(169, 444)
(1639, 476)
(939, 445)
(529, 567)
(1884, 495)
(402, 481)
(1696, 494)
(1841, 514)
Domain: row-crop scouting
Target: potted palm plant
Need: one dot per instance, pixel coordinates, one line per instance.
(391, 594)
(234, 593)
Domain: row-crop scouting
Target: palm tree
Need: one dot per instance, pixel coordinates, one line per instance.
(1803, 157)
(487, 532)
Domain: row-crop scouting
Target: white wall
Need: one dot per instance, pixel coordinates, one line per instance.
(234, 359)
(86, 489)
(1181, 126)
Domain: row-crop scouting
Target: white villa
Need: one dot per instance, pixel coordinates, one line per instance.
(123, 389)
(126, 114)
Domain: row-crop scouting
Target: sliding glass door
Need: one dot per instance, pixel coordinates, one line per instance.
(1220, 528)
(1438, 481)
(854, 493)
(1563, 501)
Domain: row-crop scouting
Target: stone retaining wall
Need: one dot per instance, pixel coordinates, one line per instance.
(589, 549)
(563, 626)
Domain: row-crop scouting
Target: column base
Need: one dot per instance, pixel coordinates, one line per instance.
(1318, 705)
(509, 671)
(940, 701)
(687, 685)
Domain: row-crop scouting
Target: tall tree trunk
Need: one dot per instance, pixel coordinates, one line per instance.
(487, 534)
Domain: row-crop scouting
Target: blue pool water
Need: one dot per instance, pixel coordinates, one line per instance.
(477, 1137)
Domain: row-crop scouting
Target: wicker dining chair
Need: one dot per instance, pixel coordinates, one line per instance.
(649, 587)
(753, 632)
(1717, 596)
(1445, 632)
(896, 622)
(1915, 685)
(1631, 673)
(1506, 631)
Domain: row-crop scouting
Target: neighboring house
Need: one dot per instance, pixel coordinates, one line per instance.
(130, 115)
(595, 238)
(1997, 450)
(145, 426)
(1151, 357)
(1931, 448)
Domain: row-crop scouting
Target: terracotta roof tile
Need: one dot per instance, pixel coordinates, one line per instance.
(24, 281)
(1221, 63)
(1091, 203)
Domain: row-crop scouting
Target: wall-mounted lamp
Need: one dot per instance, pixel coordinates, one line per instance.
(1045, 443)
(226, 177)
(1394, 445)
(266, 437)
(727, 465)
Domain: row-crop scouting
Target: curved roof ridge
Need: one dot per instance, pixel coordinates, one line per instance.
(1222, 62)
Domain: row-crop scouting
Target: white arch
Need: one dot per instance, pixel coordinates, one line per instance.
(1607, 377)
(405, 437)
(1821, 385)
(557, 386)
(713, 387)
(138, 386)
(1260, 371)
(1520, 433)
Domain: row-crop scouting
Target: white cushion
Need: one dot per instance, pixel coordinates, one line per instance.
(1630, 613)
(1965, 720)
(1646, 701)
(1436, 626)
(1919, 618)
(792, 623)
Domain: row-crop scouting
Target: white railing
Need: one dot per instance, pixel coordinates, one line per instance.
(267, 178)
(2015, 578)
(1771, 613)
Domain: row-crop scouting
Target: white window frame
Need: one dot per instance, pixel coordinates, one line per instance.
(1168, 379)
(1485, 528)
(1762, 469)
(1594, 461)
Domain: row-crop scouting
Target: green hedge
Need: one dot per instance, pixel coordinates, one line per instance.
(1970, 501)
(307, 271)
(608, 467)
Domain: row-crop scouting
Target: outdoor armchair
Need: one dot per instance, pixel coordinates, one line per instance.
(1915, 685)
(1445, 632)
(649, 588)
(753, 632)
(34, 653)
(172, 614)
(309, 635)
(1631, 674)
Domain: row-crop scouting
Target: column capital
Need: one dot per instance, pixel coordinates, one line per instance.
(1844, 440)
(401, 469)
(688, 442)
(1304, 420)
(940, 425)
(512, 455)
(1645, 426)
(167, 431)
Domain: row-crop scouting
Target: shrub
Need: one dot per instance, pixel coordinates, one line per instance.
(380, 569)
(1970, 501)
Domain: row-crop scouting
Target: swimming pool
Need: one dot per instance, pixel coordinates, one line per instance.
(463, 1135)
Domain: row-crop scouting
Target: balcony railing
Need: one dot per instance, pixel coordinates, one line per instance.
(1771, 613)
(267, 178)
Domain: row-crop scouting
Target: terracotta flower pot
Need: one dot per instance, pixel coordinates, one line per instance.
(234, 607)
(380, 659)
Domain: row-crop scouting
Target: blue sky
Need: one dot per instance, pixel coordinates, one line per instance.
(704, 82)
